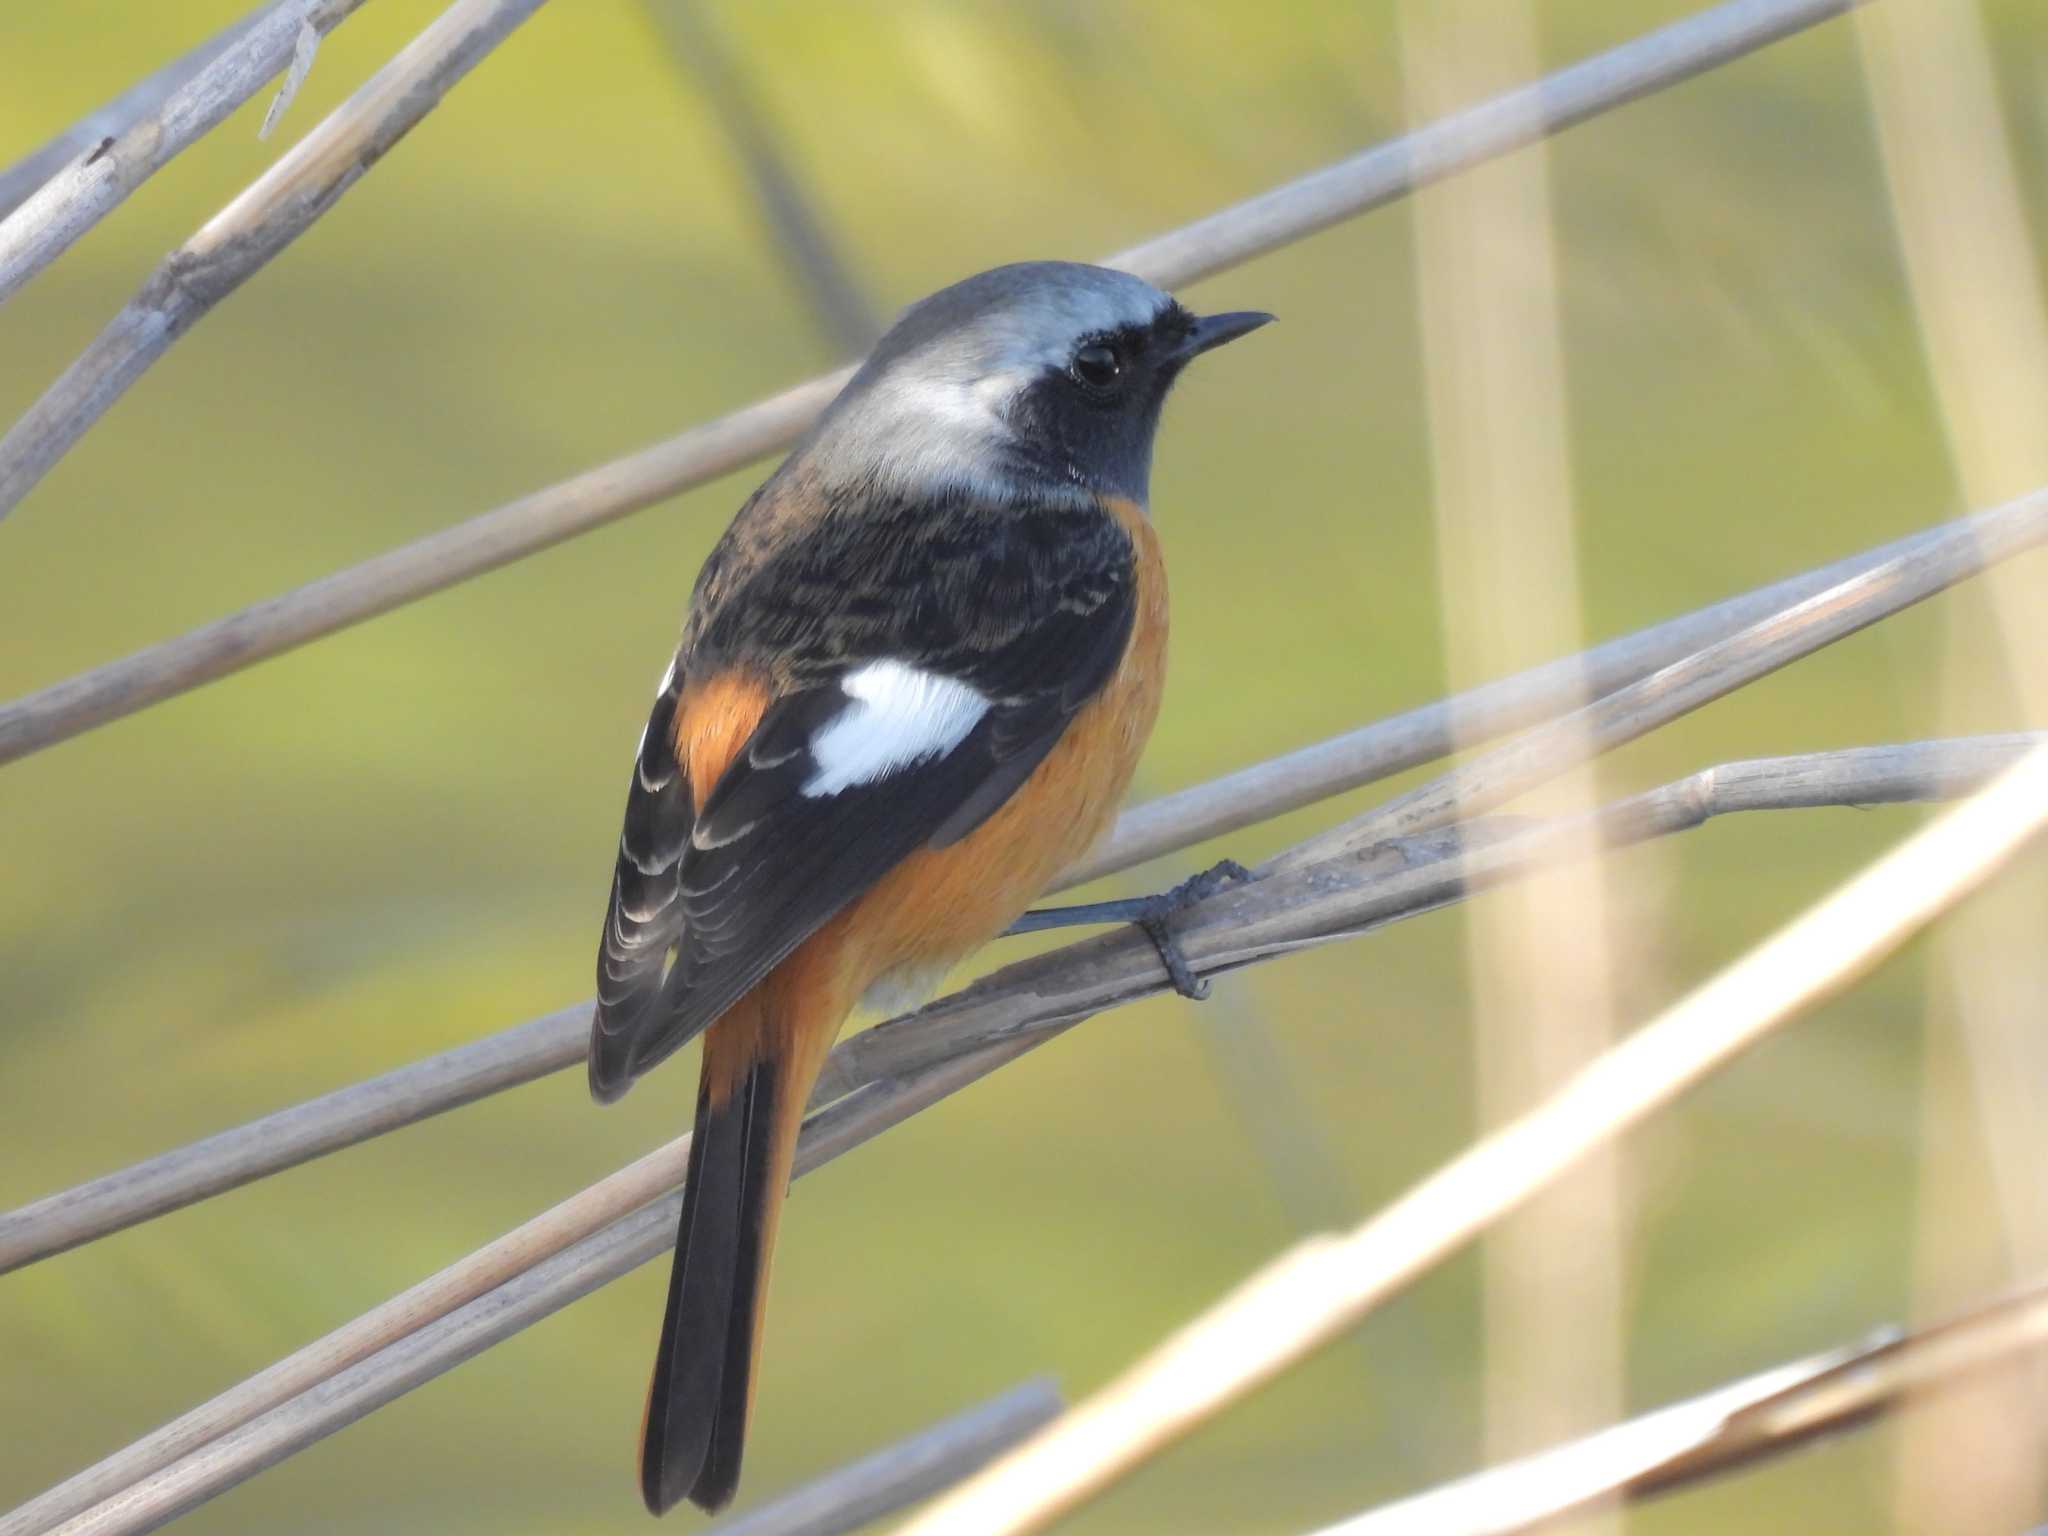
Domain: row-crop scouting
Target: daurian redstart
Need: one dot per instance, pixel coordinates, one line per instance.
(915, 677)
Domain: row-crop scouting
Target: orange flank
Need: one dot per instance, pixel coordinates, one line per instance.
(940, 905)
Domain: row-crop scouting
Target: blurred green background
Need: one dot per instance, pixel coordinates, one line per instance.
(400, 838)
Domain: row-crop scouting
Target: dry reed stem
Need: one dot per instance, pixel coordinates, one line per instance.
(610, 491)
(1348, 896)
(54, 195)
(439, 1294)
(900, 1475)
(110, 118)
(886, 1074)
(797, 232)
(1321, 1288)
(274, 210)
(415, 1349)
(1717, 1432)
(1538, 957)
(1971, 1463)
(532, 1049)
(1538, 756)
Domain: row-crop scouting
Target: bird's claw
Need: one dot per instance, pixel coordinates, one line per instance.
(1159, 911)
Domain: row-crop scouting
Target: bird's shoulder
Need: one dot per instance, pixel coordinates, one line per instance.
(857, 682)
(812, 579)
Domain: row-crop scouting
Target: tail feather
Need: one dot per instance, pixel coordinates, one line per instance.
(698, 1401)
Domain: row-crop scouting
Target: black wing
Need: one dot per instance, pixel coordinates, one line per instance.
(645, 917)
(767, 865)
(1031, 612)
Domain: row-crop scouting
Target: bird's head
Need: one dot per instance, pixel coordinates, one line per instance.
(1035, 376)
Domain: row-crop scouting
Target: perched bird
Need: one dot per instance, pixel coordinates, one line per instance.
(915, 677)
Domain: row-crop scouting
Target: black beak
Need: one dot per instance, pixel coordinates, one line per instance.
(1213, 331)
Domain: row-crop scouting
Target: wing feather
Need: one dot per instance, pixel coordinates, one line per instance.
(930, 656)
(645, 917)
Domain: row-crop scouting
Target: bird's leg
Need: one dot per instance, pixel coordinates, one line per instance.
(1161, 909)
(1151, 913)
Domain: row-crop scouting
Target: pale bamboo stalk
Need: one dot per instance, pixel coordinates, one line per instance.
(1538, 756)
(900, 1475)
(532, 1049)
(278, 207)
(884, 1075)
(1224, 239)
(1722, 1431)
(141, 129)
(1322, 1288)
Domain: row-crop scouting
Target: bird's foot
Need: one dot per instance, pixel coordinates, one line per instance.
(1160, 910)
(1150, 913)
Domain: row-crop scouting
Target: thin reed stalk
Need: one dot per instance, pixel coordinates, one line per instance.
(884, 1075)
(54, 195)
(1725, 1430)
(275, 209)
(1317, 1291)
(1652, 62)
(532, 1049)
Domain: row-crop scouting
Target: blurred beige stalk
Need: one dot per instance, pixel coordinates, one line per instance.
(1539, 953)
(1729, 1429)
(1312, 1293)
(1971, 1462)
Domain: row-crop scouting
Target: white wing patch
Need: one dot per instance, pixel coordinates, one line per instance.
(896, 715)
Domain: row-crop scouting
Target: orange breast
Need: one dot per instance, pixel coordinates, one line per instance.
(939, 905)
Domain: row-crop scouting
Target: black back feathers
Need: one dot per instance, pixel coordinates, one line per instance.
(1030, 608)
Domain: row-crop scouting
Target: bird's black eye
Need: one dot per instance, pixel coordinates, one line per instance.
(1097, 365)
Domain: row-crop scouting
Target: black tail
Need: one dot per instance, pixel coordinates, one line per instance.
(697, 1403)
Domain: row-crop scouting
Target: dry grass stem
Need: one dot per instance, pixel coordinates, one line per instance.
(539, 1046)
(1538, 756)
(797, 231)
(412, 1360)
(1323, 1287)
(273, 211)
(1538, 957)
(899, 1476)
(414, 1347)
(1971, 1462)
(54, 195)
(883, 1076)
(611, 491)
(111, 118)
(304, 1369)
(272, 1143)
(1721, 1431)
(1434, 730)
(1349, 896)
